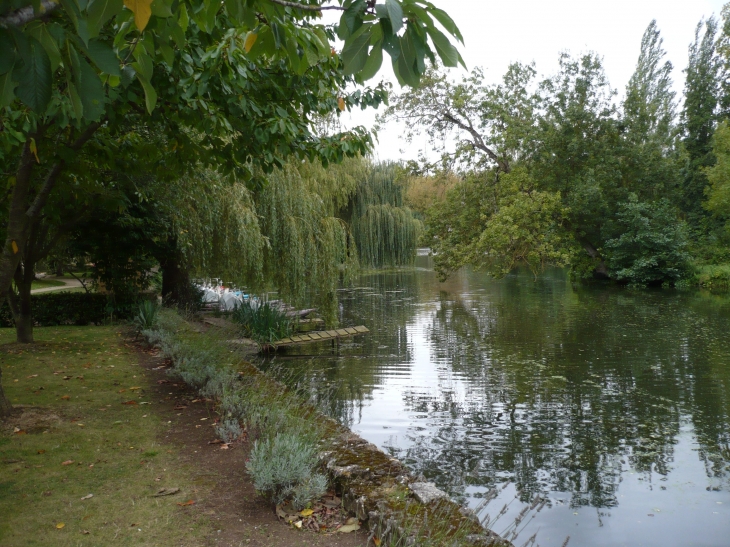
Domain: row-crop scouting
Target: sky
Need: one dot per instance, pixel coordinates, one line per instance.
(497, 33)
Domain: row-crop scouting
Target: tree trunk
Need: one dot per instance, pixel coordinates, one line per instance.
(20, 305)
(5, 406)
(176, 286)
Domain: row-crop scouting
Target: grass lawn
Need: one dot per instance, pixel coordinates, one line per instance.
(45, 283)
(86, 430)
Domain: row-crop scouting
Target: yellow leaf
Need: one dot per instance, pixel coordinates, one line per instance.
(60, 525)
(341, 103)
(34, 149)
(306, 513)
(14, 246)
(142, 12)
(250, 40)
(377, 542)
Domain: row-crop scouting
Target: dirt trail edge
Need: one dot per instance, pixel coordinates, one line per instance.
(239, 517)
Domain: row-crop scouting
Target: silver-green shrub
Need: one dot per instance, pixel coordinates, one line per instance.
(228, 430)
(283, 468)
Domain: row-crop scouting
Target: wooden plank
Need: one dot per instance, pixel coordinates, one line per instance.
(319, 336)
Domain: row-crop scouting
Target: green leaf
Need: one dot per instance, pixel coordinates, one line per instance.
(144, 66)
(184, 20)
(355, 53)
(101, 11)
(351, 19)
(447, 22)
(374, 62)
(235, 9)
(168, 54)
(162, 8)
(150, 95)
(7, 44)
(39, 31)
(446, 50)
(103, 57)
(90, 90)
(7, 89)
(395, 14)
(75, 100)
(35, 78)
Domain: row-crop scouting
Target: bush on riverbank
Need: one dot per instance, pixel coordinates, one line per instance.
(714, 276)
(262, 322)
(284, 458)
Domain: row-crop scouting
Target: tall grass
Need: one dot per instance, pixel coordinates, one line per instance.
(263, 323)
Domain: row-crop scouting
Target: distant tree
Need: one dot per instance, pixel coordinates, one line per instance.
(699, 117)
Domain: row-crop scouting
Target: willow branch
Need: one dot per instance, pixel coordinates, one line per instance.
(24, 15)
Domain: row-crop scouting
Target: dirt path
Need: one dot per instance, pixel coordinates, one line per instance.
(239, 516)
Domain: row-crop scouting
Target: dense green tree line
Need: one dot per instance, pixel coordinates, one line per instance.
(565, 171)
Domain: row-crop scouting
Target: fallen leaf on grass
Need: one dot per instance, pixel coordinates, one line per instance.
(88, 497)
(67, 462)
(66, 397)
(41, 452)
(130, 403)
(19, 431)
(60, 525)
(47, 493)
(85, 532)
(225, 447)
(377, 542)
(166, 492)
(189, 502)
(347, 528)
(33, 376)
(306, 513)
(216, 441)
(121, 391)
(297, 523)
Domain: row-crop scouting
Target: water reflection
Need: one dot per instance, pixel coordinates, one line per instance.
(610, 405)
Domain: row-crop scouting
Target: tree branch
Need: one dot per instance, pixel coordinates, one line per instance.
(304, 7)
(478, 141)
(24, 15)
(40, 200)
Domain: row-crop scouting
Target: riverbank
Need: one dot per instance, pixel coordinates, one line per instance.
(100, 431)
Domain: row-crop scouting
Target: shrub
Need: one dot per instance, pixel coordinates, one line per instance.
(283, 468)
(651, 244)
(228, 430)
(146, 318)
(263, 323)
(68, 308)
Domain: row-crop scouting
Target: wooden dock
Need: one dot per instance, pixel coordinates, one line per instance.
(317, 336)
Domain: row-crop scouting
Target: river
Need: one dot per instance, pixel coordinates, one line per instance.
(599, 413)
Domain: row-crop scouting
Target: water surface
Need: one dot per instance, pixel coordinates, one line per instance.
(611, 405)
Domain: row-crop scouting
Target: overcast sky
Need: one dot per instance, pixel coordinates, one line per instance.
(499, 32)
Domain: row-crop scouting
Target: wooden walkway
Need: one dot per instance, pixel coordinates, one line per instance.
(318, 336)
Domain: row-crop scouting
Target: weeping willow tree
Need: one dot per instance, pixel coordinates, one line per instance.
(218, 229)
(385, 231)
(309, 248)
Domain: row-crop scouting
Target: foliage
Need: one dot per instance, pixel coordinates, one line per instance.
(264, 323)
(497, 225)
(228, 430)
(309, 249)
(699, 115)
(146, 318)
(71, 308)
(714, 276)
(282, 468)
(652, 245)
(424, 191)
(718, 176)
(385, 231)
